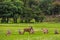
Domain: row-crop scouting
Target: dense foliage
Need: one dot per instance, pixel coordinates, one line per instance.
(27, 10)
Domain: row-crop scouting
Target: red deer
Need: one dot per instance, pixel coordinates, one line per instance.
(30, 30)
(20, 32)
(56, 31)
(8, 32)
(45, 31)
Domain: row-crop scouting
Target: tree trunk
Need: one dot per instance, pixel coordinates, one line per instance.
(7, 20)
(15, 20)
(3, 20)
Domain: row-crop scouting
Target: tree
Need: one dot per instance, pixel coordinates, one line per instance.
(17, 10)
(45, 6)
(5, 11)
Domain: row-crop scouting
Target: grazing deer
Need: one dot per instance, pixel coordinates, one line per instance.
(8, 32)
(20, 32)
(30, 30)
(56, 31)
(45, 31)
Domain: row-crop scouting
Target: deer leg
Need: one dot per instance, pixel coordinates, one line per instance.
(23, 31)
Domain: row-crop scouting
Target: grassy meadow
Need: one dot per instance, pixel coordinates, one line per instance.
(38, 35)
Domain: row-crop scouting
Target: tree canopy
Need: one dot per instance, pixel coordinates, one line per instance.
(27, 10)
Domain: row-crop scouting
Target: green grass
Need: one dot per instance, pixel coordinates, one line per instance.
(38, 35)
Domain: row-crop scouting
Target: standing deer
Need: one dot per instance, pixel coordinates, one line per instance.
(19, 31)
(8, 32)
(30, 30)
(56, 31)
(45, 31)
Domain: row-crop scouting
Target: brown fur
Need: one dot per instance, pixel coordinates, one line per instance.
(20, 32)
(8, 32)
(56, 32)
(45, 31)
(30, 30)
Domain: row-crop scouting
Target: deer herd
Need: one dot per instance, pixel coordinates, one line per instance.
(30, 30)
